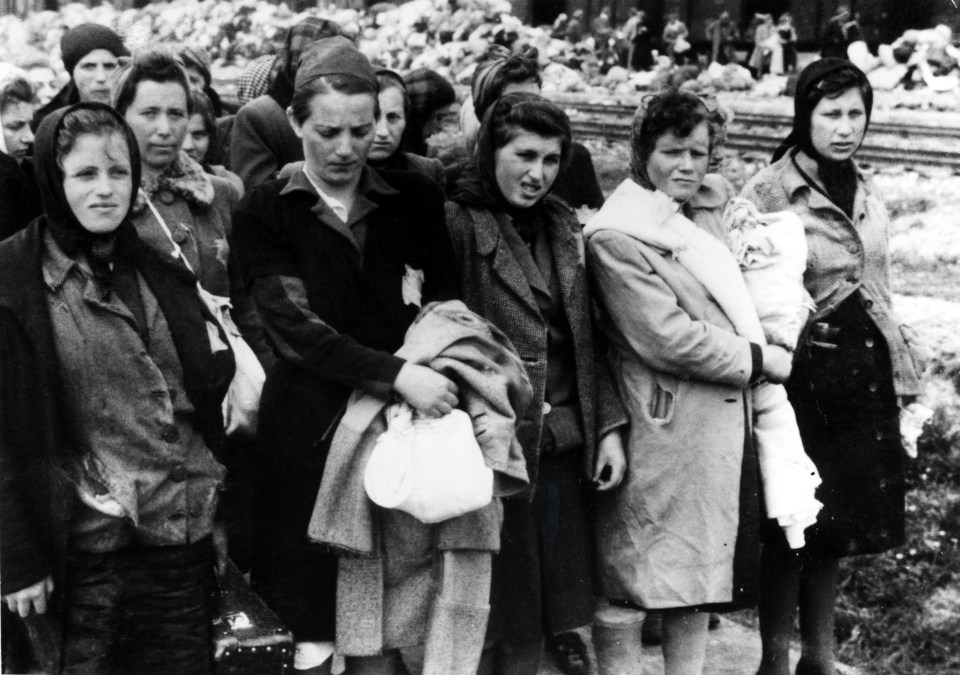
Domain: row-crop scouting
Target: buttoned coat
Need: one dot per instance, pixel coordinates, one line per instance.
(494, 285)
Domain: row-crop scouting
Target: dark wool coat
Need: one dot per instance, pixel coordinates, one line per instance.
(262, 142)
(36, 502)
(495, 287)
(19, 197)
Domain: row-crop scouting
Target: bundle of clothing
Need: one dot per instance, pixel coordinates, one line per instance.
(494, 391)
(760, 288)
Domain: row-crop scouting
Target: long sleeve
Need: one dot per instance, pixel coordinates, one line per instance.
(656, 327)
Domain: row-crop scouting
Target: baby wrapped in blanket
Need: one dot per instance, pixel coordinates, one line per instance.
(771, 250)
(760, 289)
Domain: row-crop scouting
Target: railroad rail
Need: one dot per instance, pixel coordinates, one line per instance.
(896, 137)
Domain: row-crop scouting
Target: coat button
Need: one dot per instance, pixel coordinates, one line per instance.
(852, 279)
(179, 473)
(853, 248)
(546, 408)
(869, 342)
(166, 197)
(170, 434)
(868, 303)
(195, 512)
(872, 387)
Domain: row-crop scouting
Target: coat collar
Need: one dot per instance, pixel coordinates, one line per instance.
(793, 182)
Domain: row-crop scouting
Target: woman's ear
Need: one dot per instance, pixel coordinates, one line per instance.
(293, 123)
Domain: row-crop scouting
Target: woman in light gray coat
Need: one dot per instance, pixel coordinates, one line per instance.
(680, 535)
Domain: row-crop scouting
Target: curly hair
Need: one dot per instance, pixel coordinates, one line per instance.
(674, 111)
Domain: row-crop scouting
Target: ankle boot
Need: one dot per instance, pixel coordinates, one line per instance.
(618, 648)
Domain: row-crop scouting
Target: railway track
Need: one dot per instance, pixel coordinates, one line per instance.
(896, 137)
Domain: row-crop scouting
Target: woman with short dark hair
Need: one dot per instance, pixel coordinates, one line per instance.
(19, 198)
(338, 258)
(176, 198)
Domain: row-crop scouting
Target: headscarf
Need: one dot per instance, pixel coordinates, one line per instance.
(63, 225)
(299, 37)
(478, 186)
(255, 77)
(334, 56)
(489, 79)
(428, 91)
(839, 178)
(194, 57)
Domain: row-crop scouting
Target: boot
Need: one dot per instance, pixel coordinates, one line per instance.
(455, 638)
(618, 648)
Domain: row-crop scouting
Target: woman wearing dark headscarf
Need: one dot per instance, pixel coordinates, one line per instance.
(852, 368)
(197, 63)
(522, 267)
(19, 199)
(502, 72)
(385, 153)
(113, 375)
(433, 107)
(261, 139)
(90, 54)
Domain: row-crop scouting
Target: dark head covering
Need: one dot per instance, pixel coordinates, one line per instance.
(83, 39)
(839, 178)
(334, 56)
(428, 91)
(299, 37)
(194, 57)
(63, 225)
(478, 186)
(496, 69)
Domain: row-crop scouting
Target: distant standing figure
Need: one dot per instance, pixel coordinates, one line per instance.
(722, 32)
(675, 35)
(835, 34)
(641, 44)
(788, 39)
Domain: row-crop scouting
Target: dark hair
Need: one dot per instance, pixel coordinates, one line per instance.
(528, 112)
(679, 112)
(388, 79)
(342, 83)
(835, 84)
(201, 105)
(87, 121)
(158, 64)
(17, 90)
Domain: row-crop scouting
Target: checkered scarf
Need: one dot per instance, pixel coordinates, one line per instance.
(298, 39)
(255, 77)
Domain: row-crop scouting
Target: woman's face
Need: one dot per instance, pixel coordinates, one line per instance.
(390, 126)
(92, 75)
(677, 164)
(197, 141)
(337, 136)
(98, 181)
(526, 167)
(837, 125)
(17, 135)
(158, 117)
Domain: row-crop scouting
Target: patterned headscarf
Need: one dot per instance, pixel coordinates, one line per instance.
(255, 77)
(498, 68)
(298, 39)
(428, 91)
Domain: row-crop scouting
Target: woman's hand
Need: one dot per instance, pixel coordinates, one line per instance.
(777, 363)
(609, 456)
(429, 392)
(34, 597)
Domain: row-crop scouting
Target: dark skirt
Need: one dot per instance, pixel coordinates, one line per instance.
(842, 392)
(543, 576)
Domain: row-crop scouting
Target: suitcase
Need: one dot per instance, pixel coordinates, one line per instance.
(248, 637)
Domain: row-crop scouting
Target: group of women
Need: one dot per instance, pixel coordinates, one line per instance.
(642, 478)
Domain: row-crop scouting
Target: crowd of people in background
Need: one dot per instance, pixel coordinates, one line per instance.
(608, 378)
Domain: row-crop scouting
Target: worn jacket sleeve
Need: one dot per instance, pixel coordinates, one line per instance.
(647, 314)
(268, 264)
(23, 558)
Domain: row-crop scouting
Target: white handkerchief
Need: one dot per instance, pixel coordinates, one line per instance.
(412, 286)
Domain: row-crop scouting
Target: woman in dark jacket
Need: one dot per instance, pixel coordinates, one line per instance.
(91, 54)
(19, 199)
(853, 369)
(110, 477)
(522, 267)
(338, 259)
